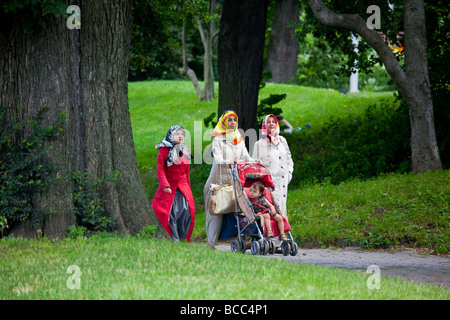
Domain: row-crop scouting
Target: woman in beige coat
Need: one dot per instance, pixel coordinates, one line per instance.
(227, 147)
(273, 150)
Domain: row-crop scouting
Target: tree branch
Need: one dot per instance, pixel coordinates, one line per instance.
(202, 32)
(185, 70)
(354, 23)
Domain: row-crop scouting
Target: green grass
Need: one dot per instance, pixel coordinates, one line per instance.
(156, 105)
(387, 208)
(137, 268)
(390, 210)
(314, 106)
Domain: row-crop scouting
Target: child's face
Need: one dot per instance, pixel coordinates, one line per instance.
(178, 136)
(254, 193)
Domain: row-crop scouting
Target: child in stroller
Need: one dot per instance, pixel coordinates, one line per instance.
(248, 223)
(262, 207)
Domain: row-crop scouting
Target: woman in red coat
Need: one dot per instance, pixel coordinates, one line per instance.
(173, 202)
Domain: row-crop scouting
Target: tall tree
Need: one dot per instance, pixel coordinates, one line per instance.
(82, 72)
(240, 57)
(208, 36)
(282, 52)
(413, 82)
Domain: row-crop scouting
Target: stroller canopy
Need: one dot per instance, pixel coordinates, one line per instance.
(249, 173)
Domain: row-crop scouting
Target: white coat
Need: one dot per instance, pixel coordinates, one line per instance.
(224, 152)
(278, 160)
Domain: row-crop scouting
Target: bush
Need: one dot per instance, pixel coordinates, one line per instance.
(88, 204)
(23, 173)
(357, 146)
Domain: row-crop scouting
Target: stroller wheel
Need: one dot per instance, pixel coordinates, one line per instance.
(271, 247)
(255, 248)
(243, 245)
(266, 247)
(294, 249)
(285, 248)
(237, 246)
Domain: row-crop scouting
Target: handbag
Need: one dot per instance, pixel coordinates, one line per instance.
(222, 199)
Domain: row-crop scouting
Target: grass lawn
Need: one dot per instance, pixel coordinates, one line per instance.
(137, 268)
(384, 209)
(389, 210)
(156, 105)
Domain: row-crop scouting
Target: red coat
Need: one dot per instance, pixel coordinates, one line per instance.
(175, 176)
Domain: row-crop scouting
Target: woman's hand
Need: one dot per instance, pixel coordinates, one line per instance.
(258, 161)
(168, 190)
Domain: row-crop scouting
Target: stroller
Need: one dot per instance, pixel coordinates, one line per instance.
(250, 226)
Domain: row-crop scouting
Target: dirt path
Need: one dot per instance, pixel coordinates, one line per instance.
(405, 264)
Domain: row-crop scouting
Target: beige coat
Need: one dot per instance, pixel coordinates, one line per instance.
(277, 159)
(224, 152)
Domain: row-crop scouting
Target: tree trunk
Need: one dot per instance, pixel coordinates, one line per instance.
(84, 74)
(282, 53)
(208, 57)
(241, 47)
(208, 71)
(185, 70)
(413, 84)
(424, 148)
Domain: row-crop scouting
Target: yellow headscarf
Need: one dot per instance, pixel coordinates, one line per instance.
(222, 128)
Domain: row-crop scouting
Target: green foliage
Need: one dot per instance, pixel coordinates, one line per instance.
(88, 204)
(41, 7)
(32, 11)
(23, 173)
(76, 232)
(148, 232)
(266, 106)
(386, 211)
(321, 66)
(438, 31)
(210, 119)
(339, 40)
(355, 146)
(3, 224)
(155, 49)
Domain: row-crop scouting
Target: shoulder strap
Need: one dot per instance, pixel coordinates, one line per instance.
(266, 209)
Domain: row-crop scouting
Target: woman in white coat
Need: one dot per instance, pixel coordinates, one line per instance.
(273, 150)
(227, 147)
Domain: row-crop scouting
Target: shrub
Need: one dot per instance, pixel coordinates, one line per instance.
(148, 231)
(23, 173)
(357, 146)
(88, 204)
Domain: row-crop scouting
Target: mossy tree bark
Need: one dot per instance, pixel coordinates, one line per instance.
(83, 73)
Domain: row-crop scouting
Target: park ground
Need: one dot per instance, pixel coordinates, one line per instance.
(390, 212)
